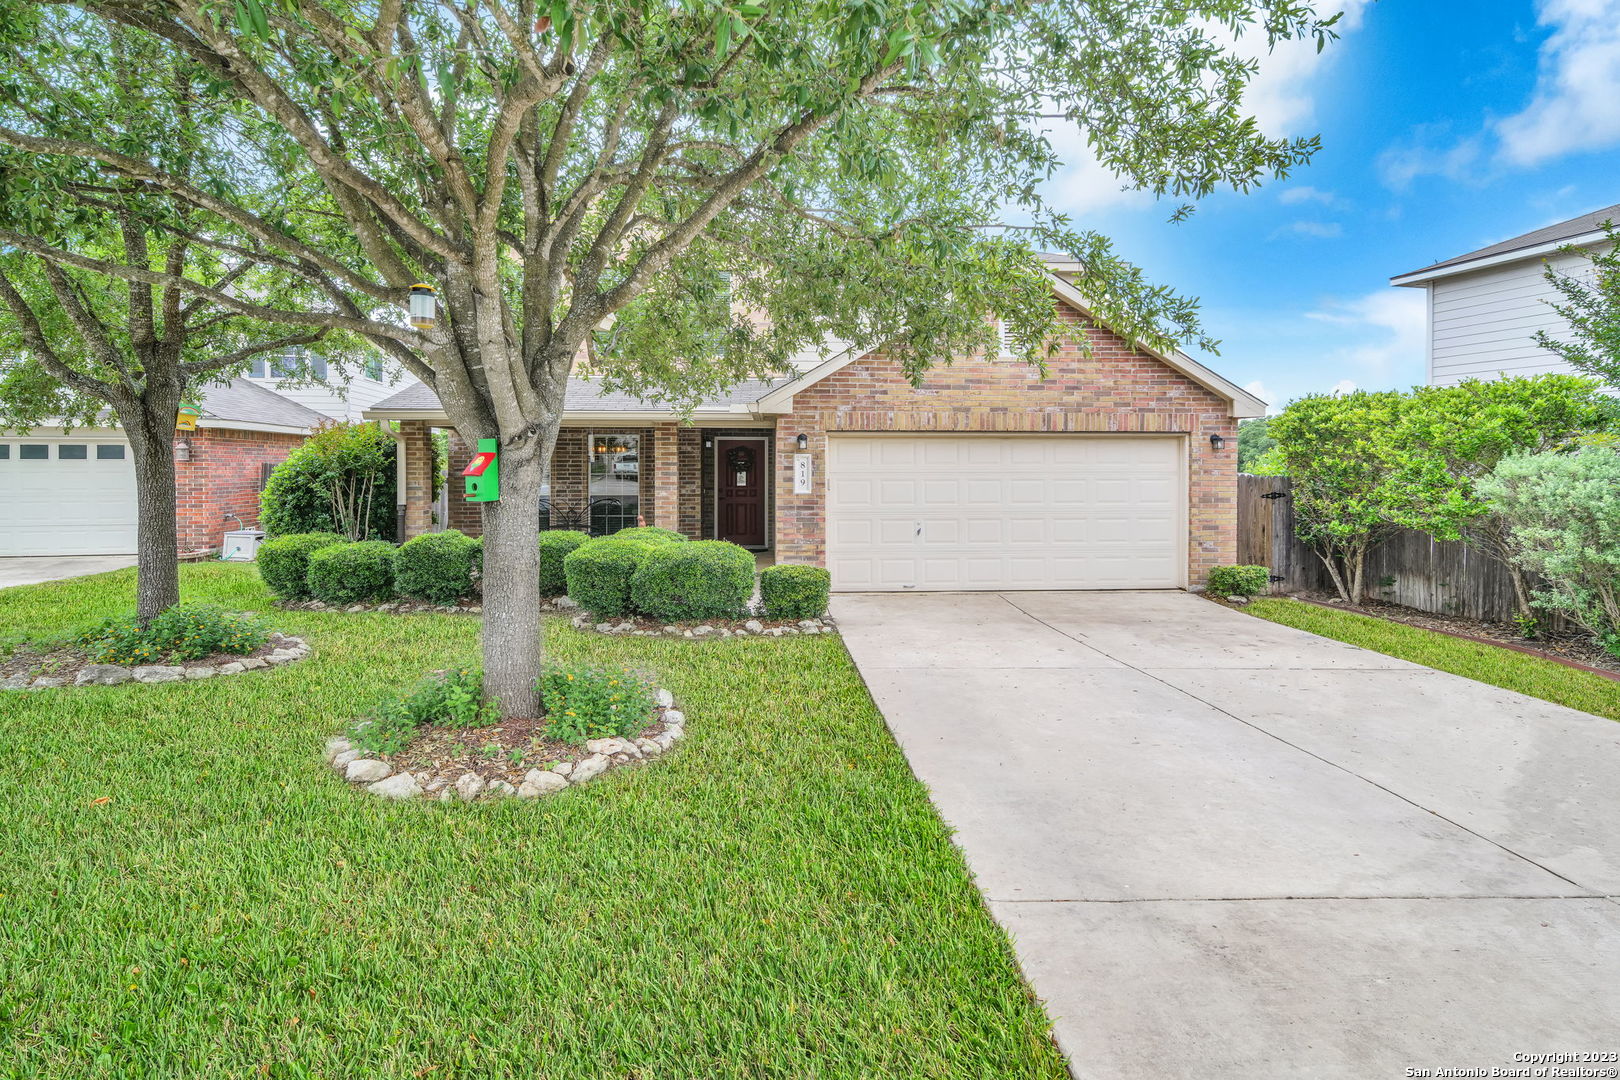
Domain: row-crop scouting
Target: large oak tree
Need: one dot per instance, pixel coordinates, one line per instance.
(627, 175)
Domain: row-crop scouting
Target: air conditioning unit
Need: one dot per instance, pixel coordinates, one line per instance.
(241, 545)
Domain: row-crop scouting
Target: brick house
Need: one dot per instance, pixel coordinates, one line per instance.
(1117, 470)
(72, 491)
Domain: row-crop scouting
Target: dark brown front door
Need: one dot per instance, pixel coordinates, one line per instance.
(740, 474)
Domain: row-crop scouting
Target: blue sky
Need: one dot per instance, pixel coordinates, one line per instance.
(1445, 126)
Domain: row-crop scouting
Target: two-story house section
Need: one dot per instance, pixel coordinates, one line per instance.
(342, 393)
(1486, 306)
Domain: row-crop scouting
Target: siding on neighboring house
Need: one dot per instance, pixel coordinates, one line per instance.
(1483, 324)
(339, 400)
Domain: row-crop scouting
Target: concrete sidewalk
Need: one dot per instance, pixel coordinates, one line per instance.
(1227, 848)
(32, 570)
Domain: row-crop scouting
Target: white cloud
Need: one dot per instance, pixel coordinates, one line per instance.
(1281, 95)
(1258, 389)
(1342, 387)
(1574, 106)
(1321, 230)
(1460, 162)
(1305, 193)
(1083, 185)
(1384, 332)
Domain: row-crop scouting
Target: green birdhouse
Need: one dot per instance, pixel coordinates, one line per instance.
(483, 472)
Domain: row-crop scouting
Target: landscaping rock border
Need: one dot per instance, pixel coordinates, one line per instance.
(416, 607)
(378, 777)
(713, 631)
(284, 649)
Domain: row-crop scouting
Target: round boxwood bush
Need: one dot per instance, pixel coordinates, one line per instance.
(284, 562)
(705, 579)
(794, 592)
(650, 532)
(437, 567)
(555, 545)
(352, 573)
(1239, 580)
(599, 572)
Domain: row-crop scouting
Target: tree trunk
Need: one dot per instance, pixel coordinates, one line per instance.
(512, 642)
(1330, 559)
(157, 538)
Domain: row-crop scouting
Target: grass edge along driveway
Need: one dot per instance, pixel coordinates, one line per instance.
(777, 899)
(1528, 675)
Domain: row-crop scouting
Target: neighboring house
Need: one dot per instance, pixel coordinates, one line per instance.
(341, 394)
(72, 491)
(1101, 476)
(1486, 306)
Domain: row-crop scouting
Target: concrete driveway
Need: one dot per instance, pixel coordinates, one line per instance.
(31, 570)
(1227, 848)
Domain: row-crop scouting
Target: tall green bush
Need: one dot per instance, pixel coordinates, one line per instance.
(352, 573)
(1562, 517)
(340, 480)
(284, 562)
(705, 579)
(437, 567)
(555, 546)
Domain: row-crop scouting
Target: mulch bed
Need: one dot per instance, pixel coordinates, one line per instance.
(448, 751)
(1567, 646)
(66, 661)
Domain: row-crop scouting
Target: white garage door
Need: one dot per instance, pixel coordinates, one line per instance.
(66, 496)
(1005, 512)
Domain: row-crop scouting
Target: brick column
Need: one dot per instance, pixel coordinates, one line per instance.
(690, 464)
(666, 476)
(416, 443)
(464, 516)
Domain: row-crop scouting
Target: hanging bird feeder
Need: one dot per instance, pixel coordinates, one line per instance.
(424, 306)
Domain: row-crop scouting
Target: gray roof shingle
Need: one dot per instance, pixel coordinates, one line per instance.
(1547, 234)
(585, 395)
(245, 402)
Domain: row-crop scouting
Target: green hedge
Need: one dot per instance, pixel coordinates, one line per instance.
(705, 579)
(650, 532)
(284, 562)
(352, 573)
(599, 572)
(437, 567)
(794, 592)
(555, 546)
(356, 460)
(1239, 580)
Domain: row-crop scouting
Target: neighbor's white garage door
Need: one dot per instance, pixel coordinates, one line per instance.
(1005, 512)
(66, 496)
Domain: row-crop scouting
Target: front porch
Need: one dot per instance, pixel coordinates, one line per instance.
(704, 482)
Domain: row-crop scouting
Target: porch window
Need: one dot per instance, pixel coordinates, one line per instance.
(615, 482)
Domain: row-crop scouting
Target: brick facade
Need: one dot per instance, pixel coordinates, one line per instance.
(223, 478)
(1114, 389)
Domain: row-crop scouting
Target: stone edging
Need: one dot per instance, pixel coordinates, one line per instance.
(287, 650)
(379, 778)
(749, 628)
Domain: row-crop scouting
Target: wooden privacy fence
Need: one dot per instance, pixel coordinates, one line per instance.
(1410, 568)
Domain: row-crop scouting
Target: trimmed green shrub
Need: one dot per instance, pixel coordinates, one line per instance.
(650, 532)
(594, 703)
(437, 567)
(284, 561)
(341, 479)
(183, 632)
(600, 570)
(555, 545)
(1239, 580)
(352, 573)
(794, 592)
(704, 579)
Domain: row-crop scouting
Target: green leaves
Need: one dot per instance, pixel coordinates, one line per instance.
(251, 19)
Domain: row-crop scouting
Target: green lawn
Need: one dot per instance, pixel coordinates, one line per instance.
(777, 899)
(1488, 663)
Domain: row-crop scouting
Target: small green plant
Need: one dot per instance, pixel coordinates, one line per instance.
(794, 592)
(352, 573)
(183, 632)
(436, 567)
(594, 703)
(284, 561)
(555, 546)
(1528, 626)
(1239, 580)
(452, 698)
(705, 579)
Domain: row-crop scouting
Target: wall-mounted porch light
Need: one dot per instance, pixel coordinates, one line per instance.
(424, 306)
(803, 441)
(182, 450)
(1216, 443)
